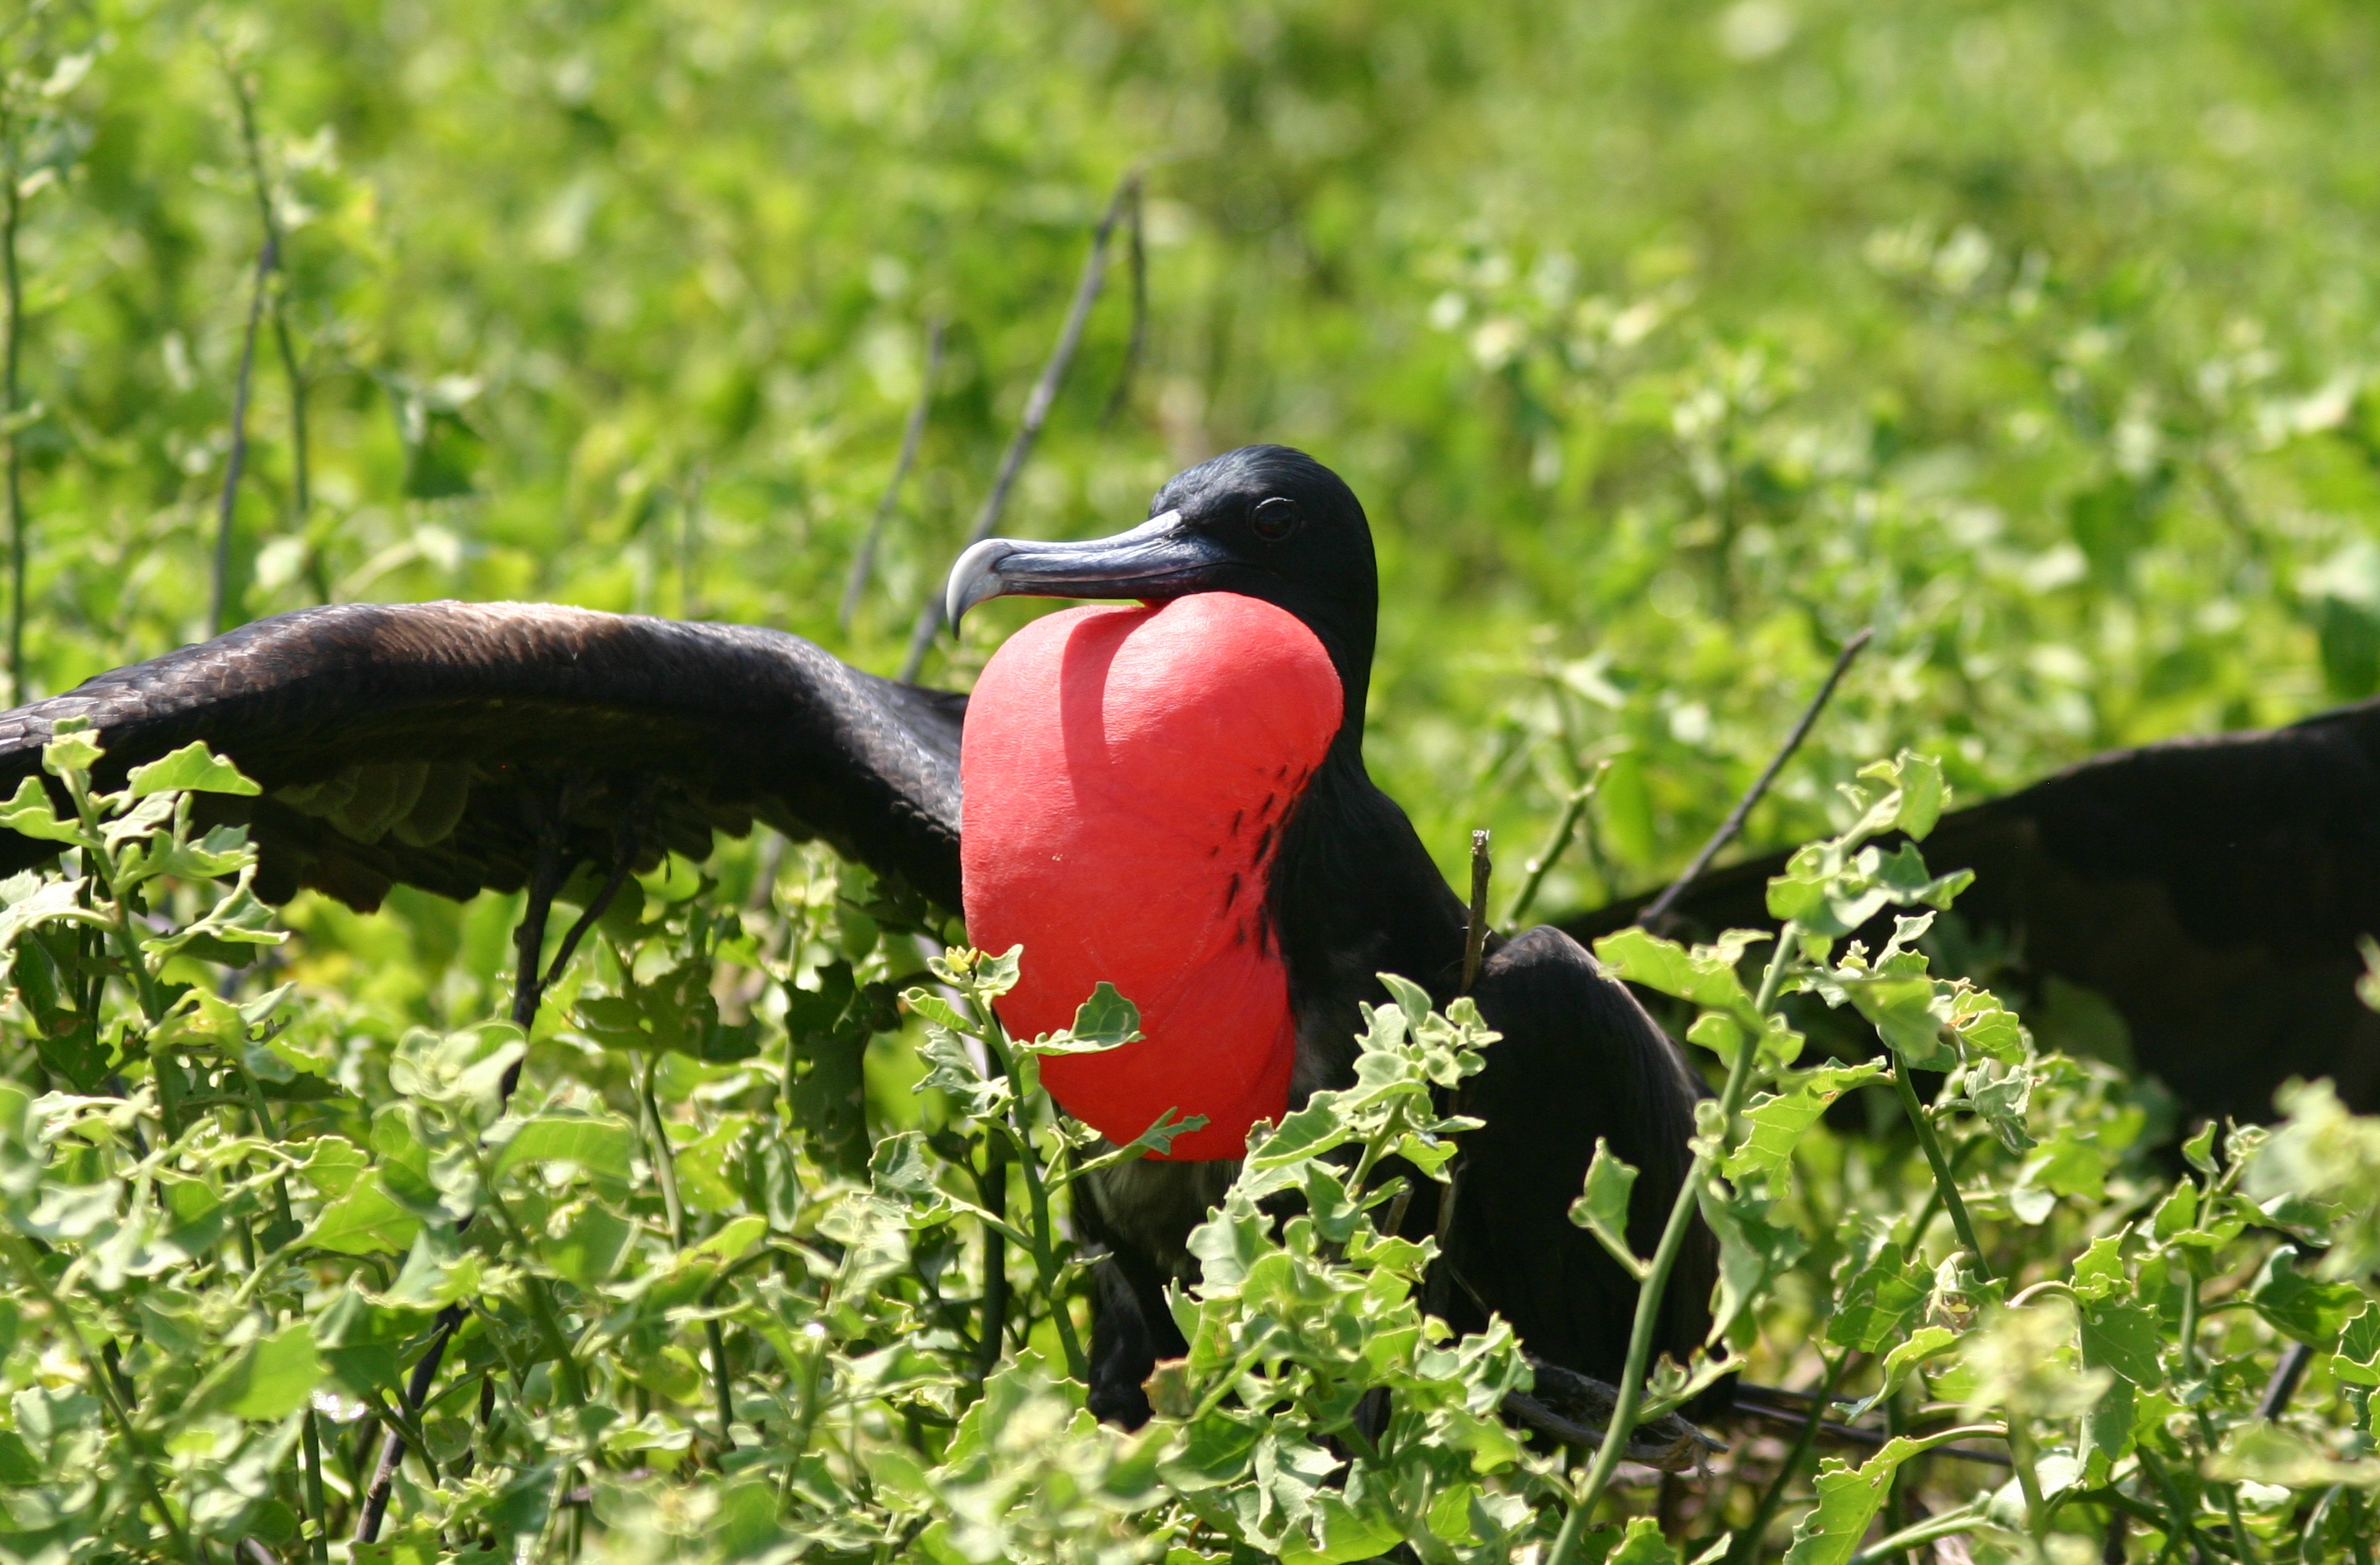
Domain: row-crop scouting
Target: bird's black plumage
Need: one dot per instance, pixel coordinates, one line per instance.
(422, 743)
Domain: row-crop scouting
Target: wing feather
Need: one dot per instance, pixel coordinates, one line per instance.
(2209, 891)
(420, 744)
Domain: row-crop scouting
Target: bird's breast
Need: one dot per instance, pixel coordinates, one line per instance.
(1126, 774)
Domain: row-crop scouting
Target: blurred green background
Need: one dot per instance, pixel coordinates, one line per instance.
(1667, 343)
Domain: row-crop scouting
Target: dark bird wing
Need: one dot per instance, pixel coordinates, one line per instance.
(1579, 1061)
(2196, 903)
(431, 743)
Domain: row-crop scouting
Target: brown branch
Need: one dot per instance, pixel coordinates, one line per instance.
(1037, 411)
(1655, 915)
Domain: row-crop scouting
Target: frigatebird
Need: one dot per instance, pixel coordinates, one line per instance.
(1177, 789)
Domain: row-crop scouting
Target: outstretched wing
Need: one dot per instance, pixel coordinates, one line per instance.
(2198, 903)
(1579, 1061)
(433, 745)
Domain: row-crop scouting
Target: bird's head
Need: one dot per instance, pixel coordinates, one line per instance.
(1263, 521)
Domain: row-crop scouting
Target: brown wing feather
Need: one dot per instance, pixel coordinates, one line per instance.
(2210, 890)
(419, 743)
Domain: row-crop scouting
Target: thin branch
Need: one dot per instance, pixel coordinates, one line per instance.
(912, 433)
(2284, 1383)
(1474, 937)
(1656, 915)
(1037, 412)
(1748, 1542)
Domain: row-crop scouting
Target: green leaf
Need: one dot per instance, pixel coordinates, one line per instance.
(603, 1149)
(1705, 976)
(18, 1466)
(191, 769)
(29, 814)
(1107, 1020)
(366, 1220)
(2269, 1453)
(1849, 1498)
(2120, 1335)
(1752, 1250)
(1603, 1209)
(1775, 1122)
(2313, 1312)
(265, 1380)
(1877, 1301)
(2357, 1362)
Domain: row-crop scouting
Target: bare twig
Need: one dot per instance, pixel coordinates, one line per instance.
(301, 502)
(911, 433)
(1655, 915)
(1474, 937)
(1037, 411)
(11, 205)
(1137, 253)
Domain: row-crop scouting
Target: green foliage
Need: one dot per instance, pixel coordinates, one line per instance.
(1667, 347)
(690, 1326)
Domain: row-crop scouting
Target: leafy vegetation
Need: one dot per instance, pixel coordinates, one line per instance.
(1669, 347)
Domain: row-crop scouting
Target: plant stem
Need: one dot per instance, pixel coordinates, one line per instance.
(28, 1266)
(1665, 1260)
(665, 1170)
(1948, 1524)
(1747, 1547)
(1944, 1182)
(1574, 806)
(318, 1513)
(1036, 1195)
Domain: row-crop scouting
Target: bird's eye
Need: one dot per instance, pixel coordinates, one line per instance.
(1274, 519)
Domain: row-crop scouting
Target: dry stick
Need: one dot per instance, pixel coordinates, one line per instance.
(1475, 936)
(1037, 412)
(1137, 253)
(300, 485)
(10, 205)
(1653, 916)
(219, 610)
(911, 433)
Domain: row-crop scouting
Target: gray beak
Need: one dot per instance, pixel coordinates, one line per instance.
(1158, 559)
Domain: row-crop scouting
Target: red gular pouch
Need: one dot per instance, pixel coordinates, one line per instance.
(1126, 774)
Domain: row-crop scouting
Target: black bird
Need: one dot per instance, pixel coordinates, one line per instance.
(2209, 893)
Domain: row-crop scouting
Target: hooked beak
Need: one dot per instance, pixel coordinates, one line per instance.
(1157, 558)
